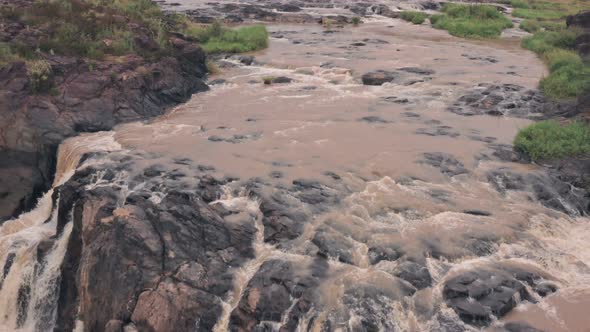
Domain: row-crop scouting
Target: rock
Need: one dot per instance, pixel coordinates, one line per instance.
(373, 119)
(332, 244)
(445, 162)
(438, 131)
(162, 267)
(478, 294)
(280, 80)
(416, 274)
(509, 100)
(547, 188)
(379, 77)
(520, 327)
(416, 70)
(35, 124)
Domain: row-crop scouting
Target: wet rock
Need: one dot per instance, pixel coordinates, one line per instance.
(281, 80)
(334, 245)
(520, 327)
(383, 253)
(446, 163)
(438, 131)
(416, 274)
(478, 213)
(379, 77)
(417, 70)
(136, 247)
(278, 289)
(217, 81)
(546, 188)
(84, 101)
(373, 119)
(477, 296)
(508, 100)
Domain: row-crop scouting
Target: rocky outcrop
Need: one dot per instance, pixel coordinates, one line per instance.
(478, 296)
(156, 258)
(581, 21)
(85, 97)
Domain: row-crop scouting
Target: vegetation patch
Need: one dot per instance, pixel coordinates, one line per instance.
(471, 21)
(39, 73)
(548, 140)
(533, 26)
(242, 40)
(98, 28)
(414, 16)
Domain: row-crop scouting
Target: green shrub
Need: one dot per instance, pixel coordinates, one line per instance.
(356, 20)
(39, 73)
(549, 140)
(414, 16)
(7, 54)
(538, 14)
(544, 41)
(531, 26)
(558, 58)
(519, 4)
(244, 39)
(471, 21)
(569, 80)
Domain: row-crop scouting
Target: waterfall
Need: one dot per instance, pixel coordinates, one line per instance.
(29, 285)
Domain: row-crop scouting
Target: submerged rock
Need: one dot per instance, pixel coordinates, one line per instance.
(379, 77)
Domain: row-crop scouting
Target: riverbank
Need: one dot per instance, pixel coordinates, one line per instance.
(56, 81)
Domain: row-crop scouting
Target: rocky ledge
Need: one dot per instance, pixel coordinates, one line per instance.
(85, 96)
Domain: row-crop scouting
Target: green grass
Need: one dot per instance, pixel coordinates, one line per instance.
(569, 75)
(471, 21)
(545, 41)
(245, 39)
(414, 16)
(538, 14)
(549, 140)
(533, 26)
(519, 4)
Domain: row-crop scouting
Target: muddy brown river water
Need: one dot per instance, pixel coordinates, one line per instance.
(412, 174)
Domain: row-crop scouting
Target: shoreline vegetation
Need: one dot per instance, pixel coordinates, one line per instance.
(568, 78)
(471, 20)
(101, 29)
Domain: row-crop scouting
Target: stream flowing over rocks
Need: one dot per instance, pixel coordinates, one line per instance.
(371, 185)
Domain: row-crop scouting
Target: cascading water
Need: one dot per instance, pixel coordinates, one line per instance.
(29, 281)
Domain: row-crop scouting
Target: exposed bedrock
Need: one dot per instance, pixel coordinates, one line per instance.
(85, 98)
(479, 295)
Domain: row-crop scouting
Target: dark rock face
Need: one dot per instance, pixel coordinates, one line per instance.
(83, 100)
(582, 22)
(478, 295)
(446, 163)
(379, 77)
(167, 259)
(508, 100)
(554, 189)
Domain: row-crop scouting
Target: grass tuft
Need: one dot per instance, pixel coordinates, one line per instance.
(242, 40)
(414, 16)
(548, 140)
(471, 21)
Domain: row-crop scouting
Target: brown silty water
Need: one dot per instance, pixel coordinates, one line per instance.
(373, 136)
(370, 142)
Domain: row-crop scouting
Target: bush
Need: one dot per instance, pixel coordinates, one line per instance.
(356, 20)
(533, 26)
(558, 58)
(538, 14)
(245, 39)
(471, 21)
(519, 4)
(549, 140)
(569, 80)
(545, 41)
(39, 73)
(414, 17)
